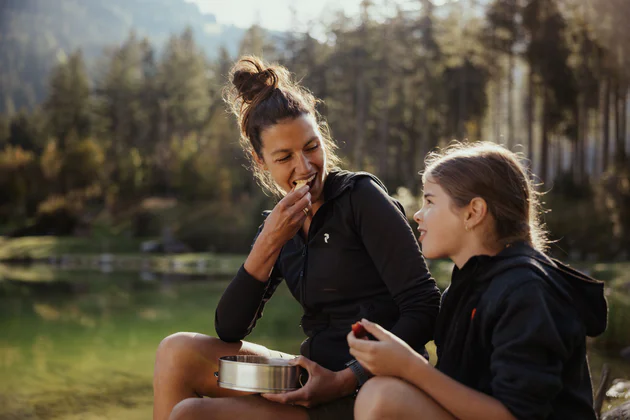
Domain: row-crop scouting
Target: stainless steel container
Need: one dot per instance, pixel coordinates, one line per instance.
(257, 374)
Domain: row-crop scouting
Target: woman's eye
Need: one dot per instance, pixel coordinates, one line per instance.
(284, 159)
(310, 149)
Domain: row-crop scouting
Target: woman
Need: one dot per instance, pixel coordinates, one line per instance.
(343, 246)
(511, 333)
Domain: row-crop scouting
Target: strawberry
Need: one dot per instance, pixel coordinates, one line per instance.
(359, 330)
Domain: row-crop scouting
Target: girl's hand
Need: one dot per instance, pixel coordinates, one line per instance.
(323, 385)
(389, 356)
(288, 216)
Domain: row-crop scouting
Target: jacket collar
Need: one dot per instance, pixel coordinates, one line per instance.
(338, 181)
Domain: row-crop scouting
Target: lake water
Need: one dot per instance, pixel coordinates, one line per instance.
(81, 344)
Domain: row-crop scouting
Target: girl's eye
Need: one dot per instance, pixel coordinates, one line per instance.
(310, 149)
(284, 159)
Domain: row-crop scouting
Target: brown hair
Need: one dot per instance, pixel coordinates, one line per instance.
(261, 96)
(492, 172)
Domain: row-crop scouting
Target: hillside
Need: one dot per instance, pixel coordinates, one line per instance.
(33, 33)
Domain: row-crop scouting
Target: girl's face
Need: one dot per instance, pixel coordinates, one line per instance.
(293, 150)
(440, 223)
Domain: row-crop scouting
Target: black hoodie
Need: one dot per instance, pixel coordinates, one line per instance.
(360, 260)
(514, 326)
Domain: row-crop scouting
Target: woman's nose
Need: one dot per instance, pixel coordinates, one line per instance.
(303, 164)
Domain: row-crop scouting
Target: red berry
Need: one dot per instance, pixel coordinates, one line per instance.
(359, 330)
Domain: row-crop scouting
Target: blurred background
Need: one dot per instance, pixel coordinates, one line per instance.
(125, 206)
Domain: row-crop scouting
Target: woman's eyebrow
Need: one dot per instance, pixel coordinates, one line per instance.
(428, 195)
(275, 152)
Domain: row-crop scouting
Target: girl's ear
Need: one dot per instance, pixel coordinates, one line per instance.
(476, 213)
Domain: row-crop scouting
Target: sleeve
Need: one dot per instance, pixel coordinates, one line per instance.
(242, 303)
(529, 351)
(392, 246)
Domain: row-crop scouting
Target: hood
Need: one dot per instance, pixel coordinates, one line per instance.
(585, 293)
(339, 180)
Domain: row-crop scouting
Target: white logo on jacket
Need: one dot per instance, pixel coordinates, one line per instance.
(326, 236)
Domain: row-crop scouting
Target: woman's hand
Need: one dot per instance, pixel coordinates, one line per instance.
(323, 385)
(287, 217)
(389, 356)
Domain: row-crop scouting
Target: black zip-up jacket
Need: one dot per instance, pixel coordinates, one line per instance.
(360, 260)
(514, 326)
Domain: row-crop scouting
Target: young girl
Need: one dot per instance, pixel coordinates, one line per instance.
(341, 243)
(511, 333)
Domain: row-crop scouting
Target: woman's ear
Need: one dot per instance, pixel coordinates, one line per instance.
(260, 161)
(476, 213)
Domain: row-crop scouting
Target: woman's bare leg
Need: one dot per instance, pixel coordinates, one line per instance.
(384, 398)
(184, 367)
(235, 408)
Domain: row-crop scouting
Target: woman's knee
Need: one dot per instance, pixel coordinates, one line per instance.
(185, 342)
(189, 409)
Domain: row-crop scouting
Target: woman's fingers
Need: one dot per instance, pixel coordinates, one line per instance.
(301, 204)
(306, 363)
(292, 197)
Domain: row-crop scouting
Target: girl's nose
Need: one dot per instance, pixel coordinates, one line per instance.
(418, 216)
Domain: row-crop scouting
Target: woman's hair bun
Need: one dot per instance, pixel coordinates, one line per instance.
(252, 80)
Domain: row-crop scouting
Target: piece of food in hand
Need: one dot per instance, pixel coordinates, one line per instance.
(359, 330)
(299, 184)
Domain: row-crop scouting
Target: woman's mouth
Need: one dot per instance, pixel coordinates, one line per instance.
(422, 234)
(299, 182)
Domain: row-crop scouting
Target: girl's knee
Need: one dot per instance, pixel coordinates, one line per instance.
(375, 399)
(188, 409)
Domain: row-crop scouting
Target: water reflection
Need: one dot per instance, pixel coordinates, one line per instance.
(80, 344)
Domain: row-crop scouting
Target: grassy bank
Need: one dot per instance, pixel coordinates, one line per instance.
(43, 247)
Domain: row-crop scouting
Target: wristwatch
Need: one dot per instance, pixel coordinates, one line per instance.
(358, 371)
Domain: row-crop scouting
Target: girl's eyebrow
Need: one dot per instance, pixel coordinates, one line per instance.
(428, 195)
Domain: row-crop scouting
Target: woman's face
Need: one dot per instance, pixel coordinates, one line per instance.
(293, 150)
(440, 224)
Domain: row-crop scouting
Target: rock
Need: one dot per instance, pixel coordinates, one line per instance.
(618, 413)
(619, 389)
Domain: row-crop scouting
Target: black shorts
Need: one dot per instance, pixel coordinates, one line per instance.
(341, 409)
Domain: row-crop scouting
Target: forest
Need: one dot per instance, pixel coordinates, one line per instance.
(136, 140)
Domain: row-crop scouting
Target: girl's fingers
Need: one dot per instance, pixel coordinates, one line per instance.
(359, 343)
(376, 330)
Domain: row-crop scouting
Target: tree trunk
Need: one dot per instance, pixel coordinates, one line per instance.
(583, 143)
(511, 141)
(530, 116)
(620, 117)
(461, 114)
(606, 125)
(497, 119)
(359, 144)
(383, 137)
(575, 144)
(544, 145)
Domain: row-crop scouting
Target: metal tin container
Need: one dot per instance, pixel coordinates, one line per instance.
(257, 374)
